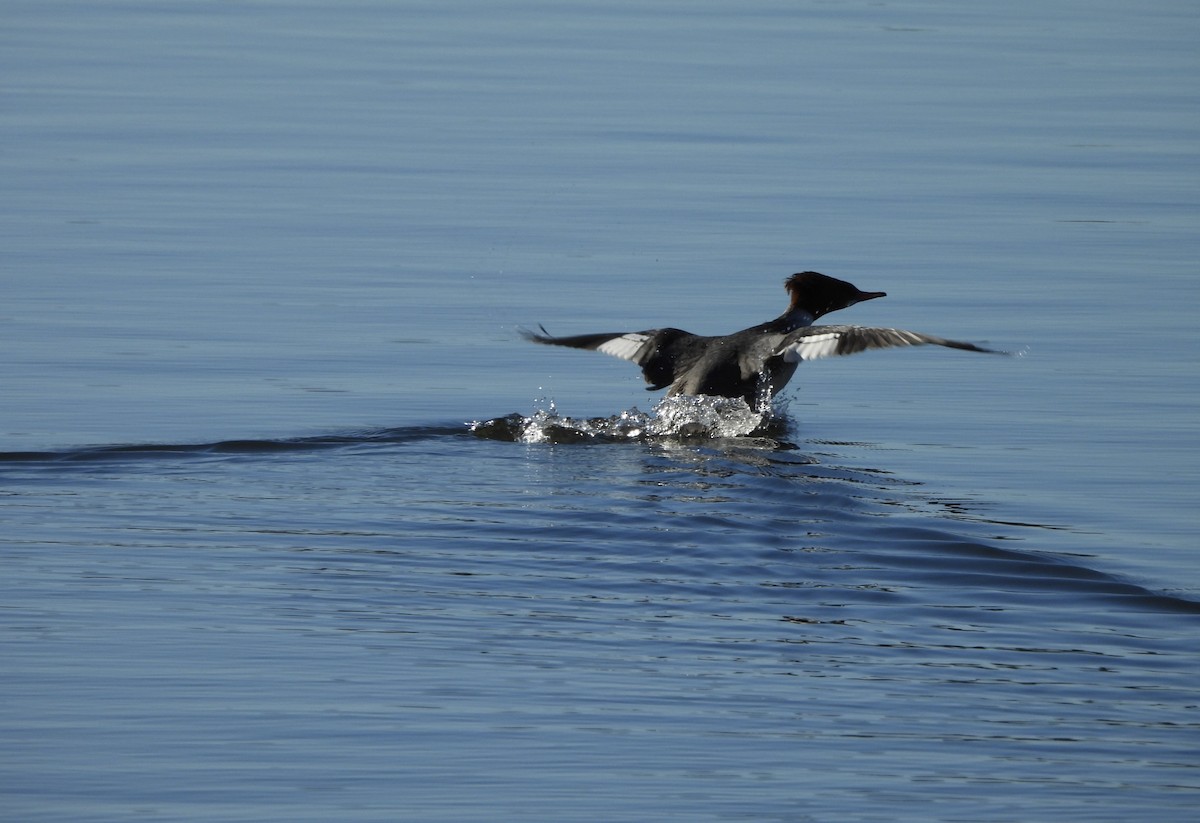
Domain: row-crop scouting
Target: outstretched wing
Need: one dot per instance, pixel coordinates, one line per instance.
(658, 351)
(815, 342)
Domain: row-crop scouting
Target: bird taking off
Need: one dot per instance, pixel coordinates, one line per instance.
(757, 362)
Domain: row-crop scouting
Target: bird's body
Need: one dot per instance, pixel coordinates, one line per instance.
(757, 362)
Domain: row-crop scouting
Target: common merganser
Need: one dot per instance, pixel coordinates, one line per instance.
(757, 362)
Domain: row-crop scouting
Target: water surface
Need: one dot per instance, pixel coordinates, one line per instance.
(263, 265)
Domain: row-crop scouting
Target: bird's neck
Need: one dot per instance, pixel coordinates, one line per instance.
(792, 319)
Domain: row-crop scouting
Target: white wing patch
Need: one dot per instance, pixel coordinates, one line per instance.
(812, 347)
(626, 346)
(815, 342)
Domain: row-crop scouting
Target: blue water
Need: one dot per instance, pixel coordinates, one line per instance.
(263, 266)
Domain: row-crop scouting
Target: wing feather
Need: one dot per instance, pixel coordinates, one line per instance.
(816, 342)
(661, 353)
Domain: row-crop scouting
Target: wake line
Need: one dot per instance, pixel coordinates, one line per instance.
(1004, 569)
(137, 451)
(683, 418)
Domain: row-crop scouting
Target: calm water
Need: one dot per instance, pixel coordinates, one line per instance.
(263, 265)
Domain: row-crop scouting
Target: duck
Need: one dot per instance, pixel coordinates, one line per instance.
(754, 364)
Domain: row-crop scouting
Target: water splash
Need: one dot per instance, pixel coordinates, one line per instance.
(673, 418)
